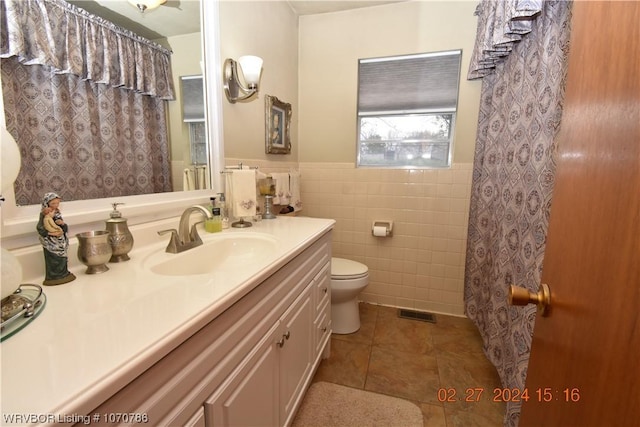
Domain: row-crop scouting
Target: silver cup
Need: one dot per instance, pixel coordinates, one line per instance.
(94, 250)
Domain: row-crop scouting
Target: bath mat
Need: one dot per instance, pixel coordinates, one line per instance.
(333, 405)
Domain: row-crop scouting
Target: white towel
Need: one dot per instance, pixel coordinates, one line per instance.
(296, 201)
(283, 192)
(243, 193)
(187, 182)
(228, 189)
(201, 177)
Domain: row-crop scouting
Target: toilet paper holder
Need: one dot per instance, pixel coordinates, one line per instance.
(377, 225)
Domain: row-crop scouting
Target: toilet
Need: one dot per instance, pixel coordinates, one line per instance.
(348, 279)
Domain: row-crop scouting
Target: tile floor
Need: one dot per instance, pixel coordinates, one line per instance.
(413, 360)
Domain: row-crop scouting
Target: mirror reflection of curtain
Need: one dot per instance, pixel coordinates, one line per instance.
(85, 101)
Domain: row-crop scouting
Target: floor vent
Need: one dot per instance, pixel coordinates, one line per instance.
(416, 315)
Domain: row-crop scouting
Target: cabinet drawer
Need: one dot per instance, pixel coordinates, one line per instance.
(322, 327)
(323, 287)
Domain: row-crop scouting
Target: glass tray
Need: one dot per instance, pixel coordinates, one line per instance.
(20, 308)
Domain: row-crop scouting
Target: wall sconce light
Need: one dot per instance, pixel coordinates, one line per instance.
(143, 5)
(251, 67)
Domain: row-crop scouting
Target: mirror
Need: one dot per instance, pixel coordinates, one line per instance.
(18, 220)
(108, 172)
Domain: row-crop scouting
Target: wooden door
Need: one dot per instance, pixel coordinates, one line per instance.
(585, 359)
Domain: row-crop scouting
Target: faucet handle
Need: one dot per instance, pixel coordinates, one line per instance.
(193, 234)
(172, 247)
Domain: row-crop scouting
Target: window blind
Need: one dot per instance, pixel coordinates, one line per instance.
(419, 83)
(192, 99)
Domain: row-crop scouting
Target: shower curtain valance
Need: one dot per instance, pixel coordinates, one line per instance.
(501, 24)
(69, 40)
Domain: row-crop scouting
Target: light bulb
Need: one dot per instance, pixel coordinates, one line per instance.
(143, 5)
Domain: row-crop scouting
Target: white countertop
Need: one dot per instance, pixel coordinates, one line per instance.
(99, 332)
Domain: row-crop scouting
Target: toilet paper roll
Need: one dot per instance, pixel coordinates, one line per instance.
(380, 231)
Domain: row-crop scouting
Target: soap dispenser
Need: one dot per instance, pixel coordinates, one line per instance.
(120, 238)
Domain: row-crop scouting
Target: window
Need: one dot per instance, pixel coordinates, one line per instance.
(407, 109)
(193, 114)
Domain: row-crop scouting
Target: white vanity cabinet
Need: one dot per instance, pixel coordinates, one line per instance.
(250, 365)
(264, 389)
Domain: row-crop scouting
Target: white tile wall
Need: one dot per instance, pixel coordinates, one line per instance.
(422, 265)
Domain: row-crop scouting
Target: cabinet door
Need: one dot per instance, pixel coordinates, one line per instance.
(296, 352)
(249, 397)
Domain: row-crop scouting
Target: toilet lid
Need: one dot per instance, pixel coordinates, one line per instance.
(344, 269)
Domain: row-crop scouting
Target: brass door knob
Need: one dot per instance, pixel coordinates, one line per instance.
(521, 296)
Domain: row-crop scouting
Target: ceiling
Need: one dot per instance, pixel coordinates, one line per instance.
(183, 16)
(304, 7)
(173, 18)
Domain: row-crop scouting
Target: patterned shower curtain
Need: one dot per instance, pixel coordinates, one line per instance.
(85, 101)
(523, 75)
(83, 140)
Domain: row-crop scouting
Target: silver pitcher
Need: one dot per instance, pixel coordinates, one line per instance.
(120, 238)
(94, 250)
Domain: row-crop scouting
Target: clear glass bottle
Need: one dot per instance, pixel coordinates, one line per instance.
(223, 210)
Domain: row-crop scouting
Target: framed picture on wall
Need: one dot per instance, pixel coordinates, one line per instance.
(277, 125)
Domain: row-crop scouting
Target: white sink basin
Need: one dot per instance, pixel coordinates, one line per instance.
(222, 252)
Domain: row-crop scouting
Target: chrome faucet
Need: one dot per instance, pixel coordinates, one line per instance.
(185, 238)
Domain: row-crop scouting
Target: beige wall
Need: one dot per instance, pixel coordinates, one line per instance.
(269, 30)
(422, 265)
(185, 61)
(330, 46)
